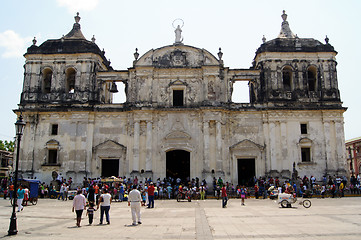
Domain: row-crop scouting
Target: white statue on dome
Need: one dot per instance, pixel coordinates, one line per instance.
(178, 30)
(178, 35)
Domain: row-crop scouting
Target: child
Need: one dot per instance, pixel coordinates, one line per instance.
(143, 198)
(243, 194)
(90, 212)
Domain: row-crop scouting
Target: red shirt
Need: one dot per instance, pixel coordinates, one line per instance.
(151, 190)
(96, 189)
(224, 192)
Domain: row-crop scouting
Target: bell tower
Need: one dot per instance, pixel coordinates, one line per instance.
(296, 71)
(63, 71)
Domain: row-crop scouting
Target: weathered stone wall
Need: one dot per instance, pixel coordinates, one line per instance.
(215, 131)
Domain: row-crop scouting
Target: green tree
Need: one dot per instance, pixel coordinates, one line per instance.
(7, 146)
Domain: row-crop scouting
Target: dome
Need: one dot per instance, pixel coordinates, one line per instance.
(72, 43)
(287, 41)
(294, 45)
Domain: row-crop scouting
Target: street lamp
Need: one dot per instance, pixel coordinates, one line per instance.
(19, 127)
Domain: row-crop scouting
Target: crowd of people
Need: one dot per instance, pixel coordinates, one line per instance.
(169, 188)
(98, 193)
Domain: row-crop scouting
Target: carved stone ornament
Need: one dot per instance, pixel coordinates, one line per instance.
(178, 58)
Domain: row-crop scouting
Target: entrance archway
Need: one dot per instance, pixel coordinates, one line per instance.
(110, 167)
(178, 164)
(246, 171)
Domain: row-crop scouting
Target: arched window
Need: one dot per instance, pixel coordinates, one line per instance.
(311, 78)
(306, 149)
(47, 76)
(70, 80)
(52, 152)
(287, 78)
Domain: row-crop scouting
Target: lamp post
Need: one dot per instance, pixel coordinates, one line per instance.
(19, 126)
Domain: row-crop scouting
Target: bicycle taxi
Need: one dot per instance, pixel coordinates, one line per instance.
(33, 186)
(286, 200)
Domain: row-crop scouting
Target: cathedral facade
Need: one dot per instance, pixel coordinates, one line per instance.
(178, 119)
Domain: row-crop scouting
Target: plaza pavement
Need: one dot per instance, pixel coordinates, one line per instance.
(260, 219)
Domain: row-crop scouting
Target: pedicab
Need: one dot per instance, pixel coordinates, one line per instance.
(286, 200)
(273, 193)
(33, 186)
(185, 194)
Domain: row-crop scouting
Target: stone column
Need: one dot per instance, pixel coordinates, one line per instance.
(136, 146)
(266, 153)
(340, 146)
(326, 130)
(284, 148)
(206, 160)
(273, 151)
(219, 146)
(89, 145)
(148, 158)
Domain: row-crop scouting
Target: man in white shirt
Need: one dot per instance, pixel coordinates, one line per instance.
(134, 200)
(79, 204)
(105, 200)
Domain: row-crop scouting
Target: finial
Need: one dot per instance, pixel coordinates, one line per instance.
(297, 36)
(327, 39)
(136, 54)
(93, 39)
(77, 18)
(285, 28)
(284, 16)
(34, 41)
(103, 52)
(220, 54)
(264, 39)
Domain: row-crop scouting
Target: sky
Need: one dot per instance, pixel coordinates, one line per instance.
(236, 26)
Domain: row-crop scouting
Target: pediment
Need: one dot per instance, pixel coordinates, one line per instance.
(109, 144)
(246, 144)
(305, 140)
(177, 83)
(52, 142)
(177, 56)
(178, 135)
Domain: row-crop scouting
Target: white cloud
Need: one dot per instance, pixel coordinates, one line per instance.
(78, 5)
(14, 45)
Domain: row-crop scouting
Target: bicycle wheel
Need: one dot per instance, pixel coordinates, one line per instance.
(34, 201)
(306, 203)
(284, 203)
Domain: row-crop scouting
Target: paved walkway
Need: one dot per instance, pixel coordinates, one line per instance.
(259, 219)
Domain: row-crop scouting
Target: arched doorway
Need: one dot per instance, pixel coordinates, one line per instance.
(178, 164)
(246, 171)
(110, 167)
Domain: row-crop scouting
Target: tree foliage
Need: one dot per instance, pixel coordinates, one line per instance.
(7, 146)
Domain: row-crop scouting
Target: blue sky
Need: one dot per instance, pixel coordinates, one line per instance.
(235, 25)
